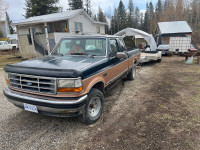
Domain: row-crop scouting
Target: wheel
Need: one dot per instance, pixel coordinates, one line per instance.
(159, 60)
(14, 48)
(93, 107)
(132, 74)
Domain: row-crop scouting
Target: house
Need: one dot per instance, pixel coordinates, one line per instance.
(166, 30)
(4, 26)
(38, 35)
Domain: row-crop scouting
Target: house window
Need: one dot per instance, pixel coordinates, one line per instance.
(78, 27)
(98, 29)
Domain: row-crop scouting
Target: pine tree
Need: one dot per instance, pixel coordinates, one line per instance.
(137, 18)
(159, 10)
(121, 16)
(75, 4)
(38, 7)
(146, 19)
(151, 17)
(9, 23)
(88, 7)
(101, 16)
(130, 19)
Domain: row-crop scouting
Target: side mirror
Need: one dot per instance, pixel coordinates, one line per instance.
(121, 55)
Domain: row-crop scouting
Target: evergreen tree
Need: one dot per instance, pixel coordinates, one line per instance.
(130, 18)
(137, 18)
(38, 7)
(88, 7)
(146, 20)
(75, 4)
(9, 23)
(121, 16)
(151, 17)
(101, 16)
(159, 10)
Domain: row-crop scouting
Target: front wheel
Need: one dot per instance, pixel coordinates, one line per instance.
(93, 106)
(132, 74)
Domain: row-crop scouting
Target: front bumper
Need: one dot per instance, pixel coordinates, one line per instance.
(67, 107)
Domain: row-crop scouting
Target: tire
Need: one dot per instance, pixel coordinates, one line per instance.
(14, 48)
(93, 107)
(132, 74)
(159, 60)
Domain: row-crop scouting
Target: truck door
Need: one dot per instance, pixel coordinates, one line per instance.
(117, 66)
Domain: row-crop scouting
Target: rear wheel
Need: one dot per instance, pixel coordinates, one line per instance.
(14, 48)
(159, 60)
(132, 74)
(93, 107)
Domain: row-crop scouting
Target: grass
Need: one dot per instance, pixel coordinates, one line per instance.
(9, 59)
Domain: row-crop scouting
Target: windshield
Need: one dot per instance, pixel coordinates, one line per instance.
(81, 46)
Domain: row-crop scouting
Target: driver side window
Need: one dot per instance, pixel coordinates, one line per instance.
(113, 48)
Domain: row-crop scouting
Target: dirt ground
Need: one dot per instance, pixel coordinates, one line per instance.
(158, 110)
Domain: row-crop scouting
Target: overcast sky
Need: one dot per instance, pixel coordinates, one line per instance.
(16, 7)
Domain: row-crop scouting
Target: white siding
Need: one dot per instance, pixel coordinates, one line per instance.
(87, 25)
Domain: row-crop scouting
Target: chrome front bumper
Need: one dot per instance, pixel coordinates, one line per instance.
(62, 108)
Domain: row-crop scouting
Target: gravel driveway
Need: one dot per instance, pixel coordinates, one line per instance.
(151, 112)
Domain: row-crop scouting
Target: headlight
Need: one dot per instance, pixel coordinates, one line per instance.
(6, 78)
(70, 85)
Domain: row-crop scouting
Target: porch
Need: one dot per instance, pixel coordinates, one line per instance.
(42, 37)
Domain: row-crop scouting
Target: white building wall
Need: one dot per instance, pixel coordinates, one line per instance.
(88, 26)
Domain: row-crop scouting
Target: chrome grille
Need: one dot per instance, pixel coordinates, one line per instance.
(31, 83)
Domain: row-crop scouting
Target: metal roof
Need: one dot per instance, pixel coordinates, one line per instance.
(55, 17)
(174, 27)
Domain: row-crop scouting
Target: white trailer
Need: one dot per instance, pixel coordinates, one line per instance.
(147, 56)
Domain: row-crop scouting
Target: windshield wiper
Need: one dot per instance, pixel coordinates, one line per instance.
(57, 54)
(78, 54)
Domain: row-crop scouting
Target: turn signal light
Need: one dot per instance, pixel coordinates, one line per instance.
(79, 89)
(7, 82)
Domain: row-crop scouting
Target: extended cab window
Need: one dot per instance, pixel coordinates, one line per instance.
(113, 48)
(122, 45)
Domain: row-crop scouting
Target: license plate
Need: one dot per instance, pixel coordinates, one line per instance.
(31, 108)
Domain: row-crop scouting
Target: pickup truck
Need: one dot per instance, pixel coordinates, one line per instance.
(72, 80)
(4, 45)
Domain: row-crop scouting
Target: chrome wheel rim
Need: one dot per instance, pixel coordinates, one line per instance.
(94, 106)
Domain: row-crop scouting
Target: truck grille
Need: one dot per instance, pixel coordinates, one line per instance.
(31, 83)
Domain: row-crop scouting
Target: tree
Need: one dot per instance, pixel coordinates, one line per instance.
(38, 7)
(146, 19)
(137, 18)
(9, 23)
(121, 16)
(76, 4)
(152, 20)
(179, 10)
(114, 22)
(101, 16)
(88, 7)
(130, 18)
(159, 10)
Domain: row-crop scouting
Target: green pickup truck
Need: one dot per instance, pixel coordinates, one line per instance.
(72, 80)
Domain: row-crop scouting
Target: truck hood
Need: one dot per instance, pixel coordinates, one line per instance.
(55, 66)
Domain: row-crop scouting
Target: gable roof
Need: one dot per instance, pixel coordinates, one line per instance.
(174, 27)
(56, 17)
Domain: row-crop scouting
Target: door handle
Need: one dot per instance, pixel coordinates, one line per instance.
(105, 74)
